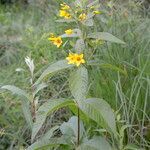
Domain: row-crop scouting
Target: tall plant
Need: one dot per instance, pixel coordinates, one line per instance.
(80, 15)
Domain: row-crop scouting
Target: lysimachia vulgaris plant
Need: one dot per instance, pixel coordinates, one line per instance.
(80, 15)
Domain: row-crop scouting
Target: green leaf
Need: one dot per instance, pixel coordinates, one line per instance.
(55, 67)
(27, 113)
(16, 90)
(65, 20)
(96, 143)
(49, 133)
(70, 128)
(99, 111)
(44, 139)
(79, 46)
(88, 22)
(39, 87)
(105, 36)
(111, 67)
(47, 108)
(79, 83)
(24, 101)
(83, 117)
(47, 143)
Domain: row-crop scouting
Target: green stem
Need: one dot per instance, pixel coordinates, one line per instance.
(33, 107)
(78, 138)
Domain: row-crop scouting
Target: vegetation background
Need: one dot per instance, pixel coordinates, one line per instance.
(125, 84)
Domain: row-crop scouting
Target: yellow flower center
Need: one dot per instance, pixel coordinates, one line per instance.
(78, 58)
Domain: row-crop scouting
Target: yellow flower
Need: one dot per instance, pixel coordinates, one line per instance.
(55, 40)
(69, 31)
(76, 59)
(64, 6)
(82, 17)
(79, 59)
(62, 13)
(71, 58)
(68, 16)
(96, 12)
(65, 14)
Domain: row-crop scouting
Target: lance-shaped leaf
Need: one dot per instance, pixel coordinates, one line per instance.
(99, 111)
(80, 46)
(47, 108)
(39, 87)
(79, 83)
(16, 90)
(105, 36)
(55, 67)
(47, 143)
(70, 128)
(24, 101)
(88, 22)
(42, 142)
(96, 143)
(109, 66)
(27, 113)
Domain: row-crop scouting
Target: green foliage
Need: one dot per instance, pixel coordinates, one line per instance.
(45, 110)
(58, 66)
(24, 102)
(45, 139)
(16, 90)
(70, 128)
(96, 143)
(99, 111)
(79, 84)
(105, 36)
(116, 74)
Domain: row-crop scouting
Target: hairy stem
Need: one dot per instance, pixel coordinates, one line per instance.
(78, 138)
(33, 108)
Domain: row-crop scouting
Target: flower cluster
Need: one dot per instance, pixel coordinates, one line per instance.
(80, 15)
(64, 11)
(76, 59)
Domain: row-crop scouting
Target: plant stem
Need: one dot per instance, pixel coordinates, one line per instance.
(33, 108)
(78, 138)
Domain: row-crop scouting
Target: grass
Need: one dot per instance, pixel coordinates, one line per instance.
(127, 93)
(18, 27)
(122, 77)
